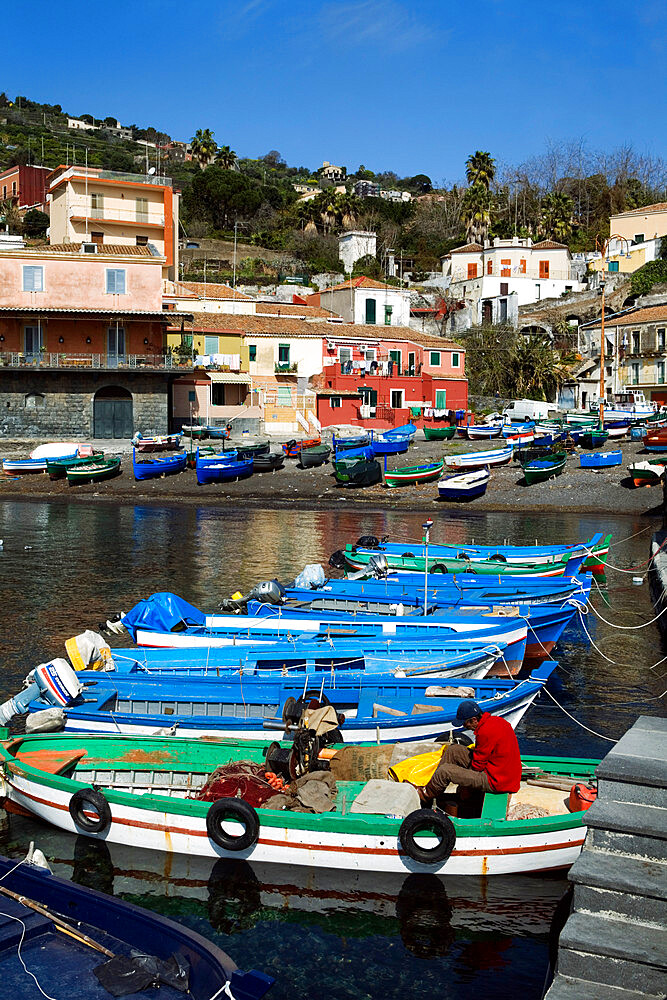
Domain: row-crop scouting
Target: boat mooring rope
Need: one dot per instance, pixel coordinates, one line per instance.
(609, 739)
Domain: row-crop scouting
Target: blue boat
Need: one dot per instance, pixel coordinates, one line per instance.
(637, 433)
(365, 453)
(222, 468)
(501, 553)
(342, 442)
(152, 468)
(405, 430)
(54, 948)
(383, 444)
(217, 433)
(601, 459)
(464, 486)
(250, 708)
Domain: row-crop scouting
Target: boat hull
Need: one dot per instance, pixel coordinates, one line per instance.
(439, 433)
(413, 476)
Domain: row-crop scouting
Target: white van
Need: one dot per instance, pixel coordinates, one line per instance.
(529, 409)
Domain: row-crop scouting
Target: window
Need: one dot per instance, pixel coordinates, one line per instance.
(505, 268)
(639, 238)
(115, 343)
(4, 192)
(252, 352)
(504, 288)
(661, 338)
(335, 402)
(635, 341)
(661, 372)
(13, 189)
(395, 358)
(522, 266)
(634, 368)
(544, 269)
(142, 209)
(435, 359)
(441, 399)
(97, 206)
(456, 363)
(489, 266)
(210, 345)
(370, 354)
(472, 270)
(33, 278)
(34, 401)
(33, 340)
(397, 399)
(217, 394)
(502, 313)
(115, 281)
(141, 241)
(283, 354)
(370, 311)
(388, 310)
(97, 238)
(612, 267)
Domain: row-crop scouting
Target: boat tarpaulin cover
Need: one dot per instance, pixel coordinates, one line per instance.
(163, 612)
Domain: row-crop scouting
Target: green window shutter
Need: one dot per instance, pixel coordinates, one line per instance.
(613, 265)
(210, 345)
(252, 352)
(441, 399)
(435, 359)
(370, 311)
(388, 310)
(283, 354)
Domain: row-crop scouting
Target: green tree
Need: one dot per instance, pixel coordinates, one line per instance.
(226, 158)
(556, 215)
(220, 197)
(476, 212)
(11, 217)
(35, 223)
(499, 360)
(480, 169)
(204, 146)
(367, 266)
(421, 183)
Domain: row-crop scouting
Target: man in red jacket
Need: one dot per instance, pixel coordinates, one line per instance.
(494, 765)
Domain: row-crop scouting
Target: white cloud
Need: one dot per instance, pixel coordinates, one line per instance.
(373, 22)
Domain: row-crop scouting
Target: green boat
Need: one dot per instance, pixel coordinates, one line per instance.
(438, 563)
(57, 467)
(412, 475)
(158, 793)
(357, 471)
(541, 469)
(94, 472)
(439, 433)
(593, 439)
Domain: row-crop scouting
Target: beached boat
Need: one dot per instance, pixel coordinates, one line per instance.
(413, 475)
(312, 457)
(86, 940)
(217, 433)
(219, 469)
(601, 459)
(593, 438)
(523, 455)
(478, 459)
(414, 560)
(249, 449)
(292, 449)
(153, 468)
(478, 432)
(95, 472)
(519, 438)
(57, 467)
(432, 432)
(541, 469)
(98, 787)
(195, 431)
(344, 442)
(39, 457)
(656, 440)
(384, 444)
(646, 473)
(268, 461)
(161, 442)
(464, 486)
(22, 465)
(357, 471)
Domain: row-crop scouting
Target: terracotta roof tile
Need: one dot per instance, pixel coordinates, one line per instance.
(213, 290)
(103, 249)
(548, 245)
(290, 309)
(643, 314)
(361, 282)
(468, 248)
(658, 206)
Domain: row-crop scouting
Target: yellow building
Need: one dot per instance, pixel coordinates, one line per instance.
(641, 224)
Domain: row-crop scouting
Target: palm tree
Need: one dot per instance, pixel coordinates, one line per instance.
(348, 209)
(556, 215)
(480, 169)
(476, 213)
(308, 214)
(226, 158)
(204, 146)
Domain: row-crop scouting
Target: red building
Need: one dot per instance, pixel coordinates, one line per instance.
(25, 187)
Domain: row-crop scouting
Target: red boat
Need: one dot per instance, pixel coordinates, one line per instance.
(293, 448)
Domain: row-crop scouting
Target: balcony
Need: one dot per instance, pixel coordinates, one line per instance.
(130, 218)
(380, 371)
(81, 360)
(285, 369)
(75, 173)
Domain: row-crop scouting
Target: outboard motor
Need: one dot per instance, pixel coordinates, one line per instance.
(55, 683)
(378, 566)
(266, 592)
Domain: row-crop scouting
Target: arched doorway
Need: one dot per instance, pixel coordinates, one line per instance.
(112, 413)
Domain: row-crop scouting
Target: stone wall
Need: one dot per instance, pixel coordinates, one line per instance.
(58, 404)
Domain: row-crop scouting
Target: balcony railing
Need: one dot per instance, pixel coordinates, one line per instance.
(513, 272)
(78, 360)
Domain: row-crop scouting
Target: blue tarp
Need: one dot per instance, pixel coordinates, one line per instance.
(163, 612)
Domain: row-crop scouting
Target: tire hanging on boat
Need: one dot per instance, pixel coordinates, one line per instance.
(239, 811)
(87, 801)
(439, 568)
(427, 819)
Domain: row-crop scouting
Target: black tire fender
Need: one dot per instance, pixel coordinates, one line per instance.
(90, 800)
(439, 568)
(427, 819)
(241, 812)
(498, 557)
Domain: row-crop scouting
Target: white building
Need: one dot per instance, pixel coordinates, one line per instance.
(354, 245)
(81, 125)
(365, 301)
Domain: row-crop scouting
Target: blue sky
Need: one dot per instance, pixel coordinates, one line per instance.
(408, 86)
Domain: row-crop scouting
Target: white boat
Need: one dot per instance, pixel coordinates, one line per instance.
(626, 404)
(477, 459)
(482, 431)
(465, 485)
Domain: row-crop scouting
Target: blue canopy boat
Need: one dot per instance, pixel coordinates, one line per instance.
(343, 442)
(601, 459)
(251, 708)
(73, 940)
(222, 468)
(404, 430)
(152, 468)
(384, 444)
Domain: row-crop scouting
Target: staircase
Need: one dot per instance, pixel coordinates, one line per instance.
(614, 944)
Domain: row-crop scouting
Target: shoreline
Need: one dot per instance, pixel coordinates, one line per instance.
(577, 491)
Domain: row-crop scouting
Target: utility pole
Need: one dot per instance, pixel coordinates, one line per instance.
(236, 226)
(603, 246)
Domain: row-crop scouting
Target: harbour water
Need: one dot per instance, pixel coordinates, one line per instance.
(326, 934)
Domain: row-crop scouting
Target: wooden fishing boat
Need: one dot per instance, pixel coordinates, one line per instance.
(218, 433)
(39, 457)
(252, 448)
(601, 459)
(195, 431)
(646, 473)
(464, 486)
(161, 442)
(344, 442)
(219, 469)
(269, 461)
(153, 468)
(413, 475)
(655, 440)
(57, 467)
(413, 560)
(155, 793)
(312, 457)
(483, 431)
(384, 444)
(403, 430)
(478, 459)
(357, 472)
(520, 438)
(593, 438)
(71, 932)
(293, 448)
(432, 432)
(95, 472)
(523, 455)
(20, 466)
(541, 469)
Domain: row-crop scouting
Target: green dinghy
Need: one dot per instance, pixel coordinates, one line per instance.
(439, 433)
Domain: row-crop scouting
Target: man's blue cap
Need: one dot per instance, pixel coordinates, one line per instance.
(467, 709)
